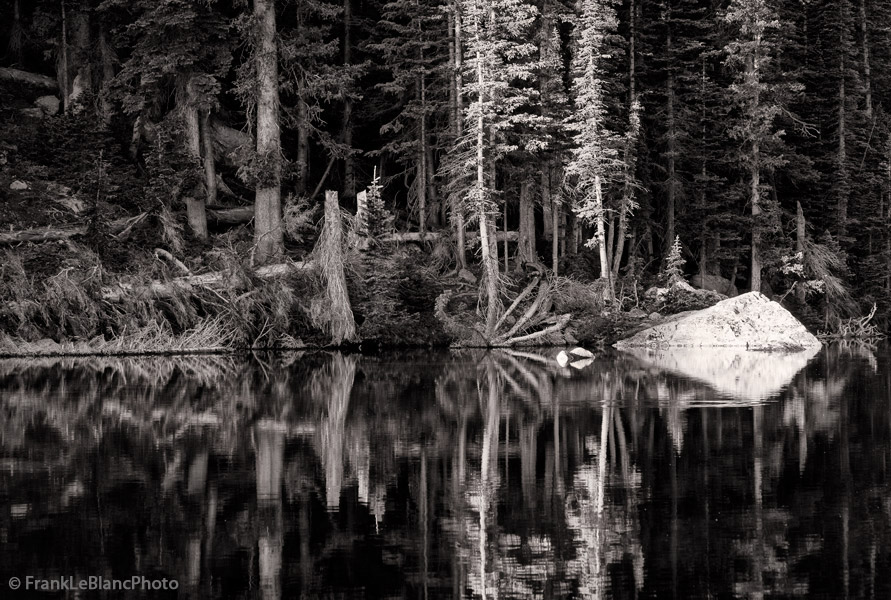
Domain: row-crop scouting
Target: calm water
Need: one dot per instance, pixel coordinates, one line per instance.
(452, 475)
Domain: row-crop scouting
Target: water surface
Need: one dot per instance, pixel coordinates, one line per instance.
(453, 475)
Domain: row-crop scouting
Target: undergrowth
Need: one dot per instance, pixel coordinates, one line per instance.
(71, 310)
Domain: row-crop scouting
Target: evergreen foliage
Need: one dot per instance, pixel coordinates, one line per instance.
(674, 264)
(375, 220)
(652, 119)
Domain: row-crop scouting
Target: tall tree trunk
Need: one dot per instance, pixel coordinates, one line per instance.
(302, 161)
(489, 260)
(349, 166)
(16, 34)
(842, 155)
(195, 207)
(630, 162)
(526, 240)
(800, 232)
(423, 167)
(601, 232)
(435, 208)
(755, 196)
(506, 249)
(547, 209)
(422, 159)
(671, 199)
(453, 88)
(268, 239)
(79, 74)
(107, 54)
(545, 56)
(867, 68)
(555, 241)
(74, 68)
(458, 83)
(210, 170)
(704, 233)
(62, 68)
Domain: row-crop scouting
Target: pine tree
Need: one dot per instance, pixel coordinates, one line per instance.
(180, 48)
(594, 157)
(674, 264)
(760, 93)
(311, 78)
(411, 37)
(375, 220)
(497, 52)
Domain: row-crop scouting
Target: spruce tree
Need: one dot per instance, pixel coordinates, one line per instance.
(759, 93)
(497, 52)
(311, 77)
(410, 39)
(594, 160)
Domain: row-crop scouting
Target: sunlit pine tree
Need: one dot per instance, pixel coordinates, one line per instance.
(759, 94)
(594, 158)
(498, 66)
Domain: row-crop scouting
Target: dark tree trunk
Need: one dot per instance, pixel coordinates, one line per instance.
(268, 238)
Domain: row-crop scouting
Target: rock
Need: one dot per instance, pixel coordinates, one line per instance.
(654, 316)
(569, 336)
(562, 359)
(18, 185)
(48, 104)
(749, 321)
(715, 283)
(637, 313)
(582, 353)
(465, 275)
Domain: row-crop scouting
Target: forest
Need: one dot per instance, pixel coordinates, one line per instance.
(198, 174)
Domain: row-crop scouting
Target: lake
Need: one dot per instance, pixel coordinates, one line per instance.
(463, 474)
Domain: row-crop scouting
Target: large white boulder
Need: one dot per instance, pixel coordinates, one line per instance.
(748, 321)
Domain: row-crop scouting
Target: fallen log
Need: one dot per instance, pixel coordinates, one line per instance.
(41, 81)
(230, 216)
(166, 289)
(416, 236)
(119, 228)
(39, 235)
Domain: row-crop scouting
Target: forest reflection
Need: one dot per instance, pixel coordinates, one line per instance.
(461, 474)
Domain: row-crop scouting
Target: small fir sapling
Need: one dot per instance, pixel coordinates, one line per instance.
(374, 218)
(674, 264)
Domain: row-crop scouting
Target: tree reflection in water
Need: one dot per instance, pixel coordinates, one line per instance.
(463, 474)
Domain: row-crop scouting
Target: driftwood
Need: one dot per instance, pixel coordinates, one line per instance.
(41, 81)
(120, 228)
(214, 279)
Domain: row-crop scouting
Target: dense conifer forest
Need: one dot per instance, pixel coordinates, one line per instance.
(506, 171)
